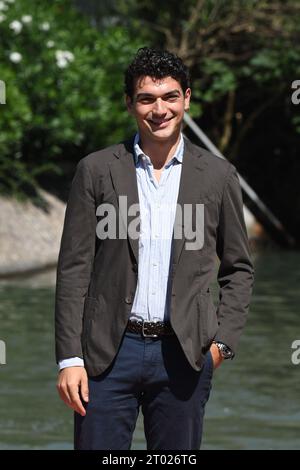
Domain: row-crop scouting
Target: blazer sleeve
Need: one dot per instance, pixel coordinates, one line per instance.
(75, 264)
(235, 275)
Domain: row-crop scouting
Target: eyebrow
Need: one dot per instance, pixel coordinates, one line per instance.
(149, 95)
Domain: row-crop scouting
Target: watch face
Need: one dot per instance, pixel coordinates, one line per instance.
(227, 352)
(224, 350)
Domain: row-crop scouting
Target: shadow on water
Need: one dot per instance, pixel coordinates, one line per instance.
(255, 400)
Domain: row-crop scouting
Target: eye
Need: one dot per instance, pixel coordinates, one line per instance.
(146, 100)
(172, 98)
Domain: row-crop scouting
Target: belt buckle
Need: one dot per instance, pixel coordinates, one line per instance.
(145, 335)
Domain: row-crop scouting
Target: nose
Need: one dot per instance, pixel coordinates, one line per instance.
(159, 107)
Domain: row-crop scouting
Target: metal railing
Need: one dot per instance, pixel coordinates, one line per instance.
(269, 221)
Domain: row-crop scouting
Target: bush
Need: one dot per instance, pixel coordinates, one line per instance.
(64, 84)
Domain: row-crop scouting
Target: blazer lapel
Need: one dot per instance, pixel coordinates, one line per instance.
(123, 173)
(192, 185)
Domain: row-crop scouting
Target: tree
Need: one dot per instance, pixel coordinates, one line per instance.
(243, 56)
(64, 91)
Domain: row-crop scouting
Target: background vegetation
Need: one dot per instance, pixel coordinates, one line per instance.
(64, 92)
(243, 56)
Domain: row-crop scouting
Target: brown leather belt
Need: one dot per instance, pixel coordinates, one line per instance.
(150, 329)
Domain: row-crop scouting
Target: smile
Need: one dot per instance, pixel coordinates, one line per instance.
(160, 123)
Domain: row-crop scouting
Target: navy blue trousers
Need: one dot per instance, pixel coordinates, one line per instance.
(151, 373)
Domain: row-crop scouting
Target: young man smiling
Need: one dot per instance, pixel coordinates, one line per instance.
(158, 105)
(136, 326)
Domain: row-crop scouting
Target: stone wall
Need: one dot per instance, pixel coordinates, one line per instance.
(29, 235)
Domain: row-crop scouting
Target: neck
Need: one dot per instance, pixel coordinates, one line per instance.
(160, 153)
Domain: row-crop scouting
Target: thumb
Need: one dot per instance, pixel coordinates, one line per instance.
(84, 388)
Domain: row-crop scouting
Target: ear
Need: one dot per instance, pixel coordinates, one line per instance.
(128, 103)
(187, 98)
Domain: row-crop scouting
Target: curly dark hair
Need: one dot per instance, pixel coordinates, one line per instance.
(157, 64)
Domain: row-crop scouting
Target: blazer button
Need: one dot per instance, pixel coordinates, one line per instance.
(128, 300)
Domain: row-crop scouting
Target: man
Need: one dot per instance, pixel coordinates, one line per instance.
(135, 322)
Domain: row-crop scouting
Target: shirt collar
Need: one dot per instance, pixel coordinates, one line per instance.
(138, 152)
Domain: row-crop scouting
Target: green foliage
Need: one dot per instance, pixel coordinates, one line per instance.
(243, 56)
(242, 45)
(220, 79)
(64, 89)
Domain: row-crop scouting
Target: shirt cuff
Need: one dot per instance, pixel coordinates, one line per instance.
(71, 362)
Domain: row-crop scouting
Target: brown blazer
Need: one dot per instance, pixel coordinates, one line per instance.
(96, 279)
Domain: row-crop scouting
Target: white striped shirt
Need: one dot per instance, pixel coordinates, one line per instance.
(157, 211)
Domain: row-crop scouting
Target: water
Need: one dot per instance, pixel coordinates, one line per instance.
(255, 400)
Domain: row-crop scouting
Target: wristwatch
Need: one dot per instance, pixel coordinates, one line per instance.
(225, 351)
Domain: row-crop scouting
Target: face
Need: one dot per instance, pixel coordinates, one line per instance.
(158, 107)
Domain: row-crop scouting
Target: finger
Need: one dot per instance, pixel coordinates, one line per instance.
(76, 403)
(84, 389)
(63, 393)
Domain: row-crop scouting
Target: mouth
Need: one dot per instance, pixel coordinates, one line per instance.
(159, 123)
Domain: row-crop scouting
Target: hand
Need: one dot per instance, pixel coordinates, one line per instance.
(73, 382)
(216, 355)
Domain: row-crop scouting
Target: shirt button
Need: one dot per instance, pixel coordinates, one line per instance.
(128, 300)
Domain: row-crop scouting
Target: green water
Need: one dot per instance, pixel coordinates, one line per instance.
(255, 400)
